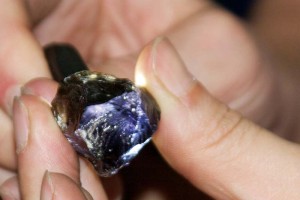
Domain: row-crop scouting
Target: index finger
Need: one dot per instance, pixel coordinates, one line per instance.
(21, 57)
(40, 145)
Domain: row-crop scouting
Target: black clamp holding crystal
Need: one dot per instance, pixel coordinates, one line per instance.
(63, 60)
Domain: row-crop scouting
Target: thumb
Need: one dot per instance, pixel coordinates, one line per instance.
(214, 147)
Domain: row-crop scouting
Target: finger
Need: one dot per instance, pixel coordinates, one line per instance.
(5, 174)
(113, 187)
(21, 59)
(35, 87)
(91, 181)
(7, 144)
(211, 145)
(40, 145)
(60, 186)
(10, 189)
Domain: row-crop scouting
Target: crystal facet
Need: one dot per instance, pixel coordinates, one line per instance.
(106, 119)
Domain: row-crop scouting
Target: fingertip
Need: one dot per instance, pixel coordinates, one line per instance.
(7, 97)
(43, 87)
(87, 195)
(159, 65)
(113, 187)
(57, 185)
(162, 72)
(10, 189)
(145, 77)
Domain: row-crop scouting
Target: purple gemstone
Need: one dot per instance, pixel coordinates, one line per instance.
(106, 119)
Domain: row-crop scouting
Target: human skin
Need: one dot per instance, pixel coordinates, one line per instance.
(112, 41)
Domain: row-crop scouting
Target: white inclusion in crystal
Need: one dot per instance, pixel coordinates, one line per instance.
(61, 121)
(93, 76)
(133, 152)
(132, 137)
(83, 134)
(106, 129)
(109, 77)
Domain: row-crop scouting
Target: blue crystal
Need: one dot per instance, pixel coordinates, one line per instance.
(106, 119)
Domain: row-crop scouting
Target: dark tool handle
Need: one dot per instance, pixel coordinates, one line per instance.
(63, 60)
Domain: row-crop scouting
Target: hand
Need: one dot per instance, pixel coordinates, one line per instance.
(112, 36)
(197, 26)
(212, 146)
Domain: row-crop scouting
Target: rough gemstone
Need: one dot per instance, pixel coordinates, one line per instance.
(106, 119)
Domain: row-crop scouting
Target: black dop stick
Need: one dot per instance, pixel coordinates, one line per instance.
(63, 60)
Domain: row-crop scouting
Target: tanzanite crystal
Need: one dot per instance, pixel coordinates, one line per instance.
(106, 119)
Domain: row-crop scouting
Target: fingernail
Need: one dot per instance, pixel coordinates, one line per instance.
(86, 194)
(26, 90)
(47, 192)
(170, 69)
(21, 124)
(9, 98)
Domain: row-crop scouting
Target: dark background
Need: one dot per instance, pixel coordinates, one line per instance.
(239, 7)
